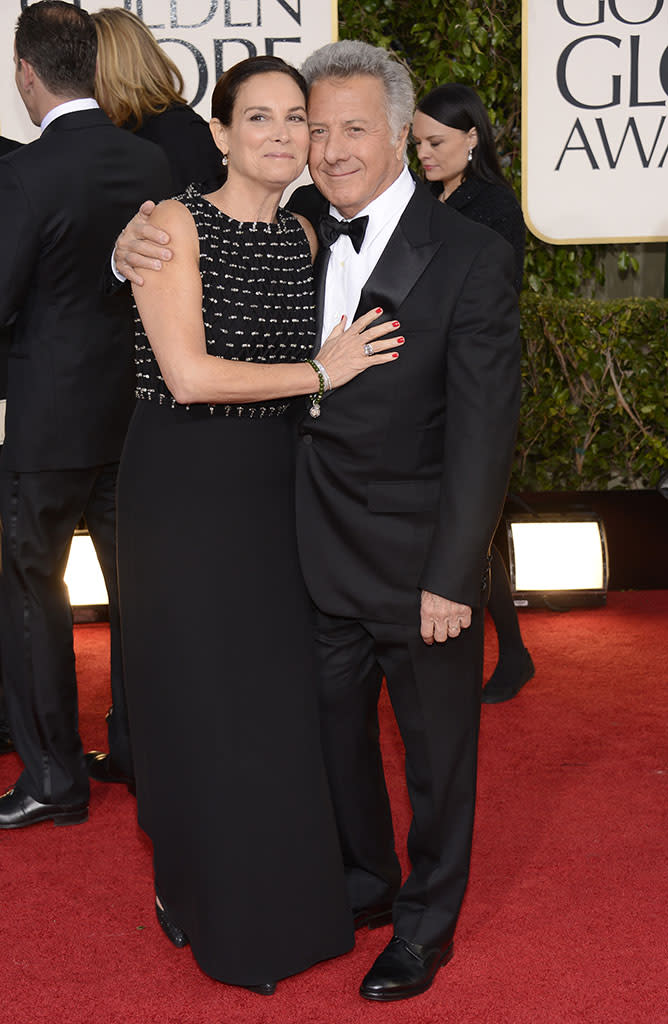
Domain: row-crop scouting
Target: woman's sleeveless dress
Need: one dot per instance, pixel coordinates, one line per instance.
(217, 634)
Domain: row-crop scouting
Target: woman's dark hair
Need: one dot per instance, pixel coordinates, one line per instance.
(459, 106)
(59, 40)
(227, 88)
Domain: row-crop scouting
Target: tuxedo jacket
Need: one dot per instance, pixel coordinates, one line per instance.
(63, 200)
(495, 205)
(401, 479)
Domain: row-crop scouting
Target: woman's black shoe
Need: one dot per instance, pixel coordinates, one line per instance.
(509, 676)
(175, 934)
(267, 989)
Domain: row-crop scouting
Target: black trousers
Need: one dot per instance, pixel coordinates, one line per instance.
(40, 512)
(435, 694)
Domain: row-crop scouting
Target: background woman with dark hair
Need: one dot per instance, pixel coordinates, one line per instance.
(141, 89)
(455, 146)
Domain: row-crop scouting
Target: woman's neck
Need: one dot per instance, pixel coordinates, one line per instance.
(450, 186)
(243, 202)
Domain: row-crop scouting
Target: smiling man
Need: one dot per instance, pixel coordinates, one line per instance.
(400, 484)
(399, 488)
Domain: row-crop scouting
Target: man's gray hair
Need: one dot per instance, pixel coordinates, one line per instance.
(352, 57)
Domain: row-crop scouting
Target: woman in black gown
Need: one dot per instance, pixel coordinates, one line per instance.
(216, 629)
(455, 145)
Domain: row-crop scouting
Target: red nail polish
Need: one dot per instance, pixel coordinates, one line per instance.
(379, 310)
(395, 355)
(395, 323)
(400, 341)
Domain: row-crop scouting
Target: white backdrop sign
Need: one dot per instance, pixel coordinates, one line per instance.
(595, 119)
(203, 37)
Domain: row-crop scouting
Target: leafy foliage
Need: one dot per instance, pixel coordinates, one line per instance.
(480, 44)
(594, 412)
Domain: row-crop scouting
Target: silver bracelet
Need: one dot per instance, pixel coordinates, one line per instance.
(325, 375)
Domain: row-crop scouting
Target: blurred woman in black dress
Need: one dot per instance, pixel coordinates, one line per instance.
(141, 89)
(455, 146)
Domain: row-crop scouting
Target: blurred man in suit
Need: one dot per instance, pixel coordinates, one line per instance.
(69, 397)
(6, 744)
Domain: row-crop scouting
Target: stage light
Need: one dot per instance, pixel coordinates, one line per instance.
(83, 575)
(557, 560)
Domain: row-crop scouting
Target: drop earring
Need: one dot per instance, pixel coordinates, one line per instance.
(225, 159)
(470, 154)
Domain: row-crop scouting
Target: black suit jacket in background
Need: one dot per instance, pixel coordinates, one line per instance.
(7, 145)
(401, 480)
(63, 200)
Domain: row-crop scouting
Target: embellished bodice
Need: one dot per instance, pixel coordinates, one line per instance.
(258, 299)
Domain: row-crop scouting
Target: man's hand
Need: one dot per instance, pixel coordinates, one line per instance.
(141, 245)
(442, 619)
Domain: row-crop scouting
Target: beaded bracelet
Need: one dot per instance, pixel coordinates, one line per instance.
(328, 383)
(323, 381)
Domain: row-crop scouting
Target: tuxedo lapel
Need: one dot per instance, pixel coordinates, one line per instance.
(320, 273)
(408, 253)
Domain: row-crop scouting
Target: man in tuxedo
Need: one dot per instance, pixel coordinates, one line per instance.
(400, 484)
(69, 397)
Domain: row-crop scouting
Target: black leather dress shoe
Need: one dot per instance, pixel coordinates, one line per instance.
(18, 810)
(404, 969)
(101, 768)
(508, 678)
(373, 917)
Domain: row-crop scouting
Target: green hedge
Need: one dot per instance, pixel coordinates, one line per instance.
(594, 407)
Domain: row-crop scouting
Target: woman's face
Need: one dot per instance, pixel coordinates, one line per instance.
(268, 139)
(442, 151)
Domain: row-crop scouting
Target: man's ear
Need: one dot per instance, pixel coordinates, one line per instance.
(26, 72)
(400, 146)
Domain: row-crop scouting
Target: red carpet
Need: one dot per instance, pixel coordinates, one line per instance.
(566, 915)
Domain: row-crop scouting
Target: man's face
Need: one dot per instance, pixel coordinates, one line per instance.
(352, 158)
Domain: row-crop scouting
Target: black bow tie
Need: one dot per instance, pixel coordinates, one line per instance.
(329, 229)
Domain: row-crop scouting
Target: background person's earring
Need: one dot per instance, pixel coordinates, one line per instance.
(470, 155)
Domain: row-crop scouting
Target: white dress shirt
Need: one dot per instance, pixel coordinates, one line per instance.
(347, 270)
(85, 103)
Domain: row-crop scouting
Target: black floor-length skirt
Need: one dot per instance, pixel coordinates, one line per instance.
(217, 641)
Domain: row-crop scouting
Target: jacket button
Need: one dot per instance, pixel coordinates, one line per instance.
(307, 438)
